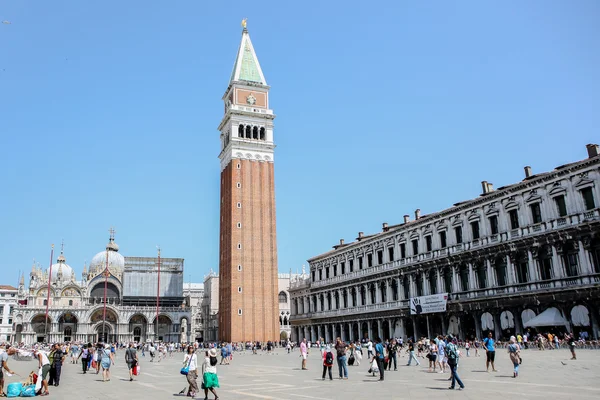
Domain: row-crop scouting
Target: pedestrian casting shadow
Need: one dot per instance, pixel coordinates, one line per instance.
(480, 371)
(504, 376)
(437, 388)
(371, 380)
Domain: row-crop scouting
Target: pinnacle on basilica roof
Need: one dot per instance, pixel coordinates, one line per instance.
(111, 241)
(247, 67)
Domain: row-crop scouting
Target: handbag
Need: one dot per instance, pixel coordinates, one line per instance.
(186, 370)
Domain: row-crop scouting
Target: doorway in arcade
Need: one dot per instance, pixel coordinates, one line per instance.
(104, 326)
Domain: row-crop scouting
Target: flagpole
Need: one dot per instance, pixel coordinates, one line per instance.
(106, 273)
(158, 293)
(48, 295)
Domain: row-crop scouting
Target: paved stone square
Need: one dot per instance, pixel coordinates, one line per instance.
(543, 375)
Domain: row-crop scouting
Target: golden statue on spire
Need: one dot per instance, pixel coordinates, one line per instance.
(244, 23)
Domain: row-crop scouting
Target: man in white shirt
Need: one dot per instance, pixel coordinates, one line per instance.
(370, 349)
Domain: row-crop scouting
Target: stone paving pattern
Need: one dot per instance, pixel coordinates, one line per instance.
(547, 374)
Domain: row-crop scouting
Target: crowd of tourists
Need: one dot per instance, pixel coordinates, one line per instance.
(443, 353)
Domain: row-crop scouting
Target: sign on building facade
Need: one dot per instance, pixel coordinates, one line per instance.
(428, 304)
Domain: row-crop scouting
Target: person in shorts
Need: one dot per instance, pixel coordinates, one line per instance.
(490, 352)
(4, 365)
(304, 353)
(44, 364)
(131, 359)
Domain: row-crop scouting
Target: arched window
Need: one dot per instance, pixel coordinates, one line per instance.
(262, 133)
(137, 331)
(70, 302)
(68, 331)
(255, 132)
(248, 132)
(282, 297)
(241, 131)
(45, 302)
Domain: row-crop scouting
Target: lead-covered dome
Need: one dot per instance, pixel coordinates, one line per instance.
(115, 260)
(62, 269)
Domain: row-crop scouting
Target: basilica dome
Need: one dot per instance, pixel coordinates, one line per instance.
(115, 260)
(62, 269)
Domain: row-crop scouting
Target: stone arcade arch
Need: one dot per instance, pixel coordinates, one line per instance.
(163, 330)
(38, 325)
(104, 329)
(67, 325)
(138, 326)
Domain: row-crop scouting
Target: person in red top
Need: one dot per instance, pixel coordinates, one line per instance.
(327, 362)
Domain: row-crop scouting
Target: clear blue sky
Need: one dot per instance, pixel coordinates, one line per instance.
(109, 113)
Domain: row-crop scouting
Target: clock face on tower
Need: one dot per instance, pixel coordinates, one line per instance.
(251, 99)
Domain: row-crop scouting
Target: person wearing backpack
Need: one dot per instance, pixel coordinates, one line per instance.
(452, 354)
(327, 362)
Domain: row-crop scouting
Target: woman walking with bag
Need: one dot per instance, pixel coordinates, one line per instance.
(106, 360)
(190, 365)
(210, 380)
(514, 352)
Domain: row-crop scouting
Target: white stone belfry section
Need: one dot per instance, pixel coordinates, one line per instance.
(247, 125)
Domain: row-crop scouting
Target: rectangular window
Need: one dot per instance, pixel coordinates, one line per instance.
(415, 247)
(327, 273)
(475, 229)
(514, 219)
(313, 276)
(428, 242)
(369, 260)
(536, 213)
(335, 270)
(443, 239)
(343, 268)
(458, 234)
(351, 265)
(493, 224)
(360, 263)
(391, 253)
(588, 198)
(380, 257)
(320, 274)
(402, 250)
(561, 206)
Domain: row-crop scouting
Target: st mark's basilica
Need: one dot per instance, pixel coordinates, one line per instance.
(76, 309)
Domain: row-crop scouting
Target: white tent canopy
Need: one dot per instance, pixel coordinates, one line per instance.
(550, 317)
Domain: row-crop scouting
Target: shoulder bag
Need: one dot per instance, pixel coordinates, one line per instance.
(186, 370)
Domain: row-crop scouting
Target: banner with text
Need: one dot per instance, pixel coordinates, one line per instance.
(428, 304)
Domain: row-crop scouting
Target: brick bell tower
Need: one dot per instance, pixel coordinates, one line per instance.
(248, 284)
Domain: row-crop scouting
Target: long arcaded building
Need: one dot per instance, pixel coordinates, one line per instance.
(523, 256)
